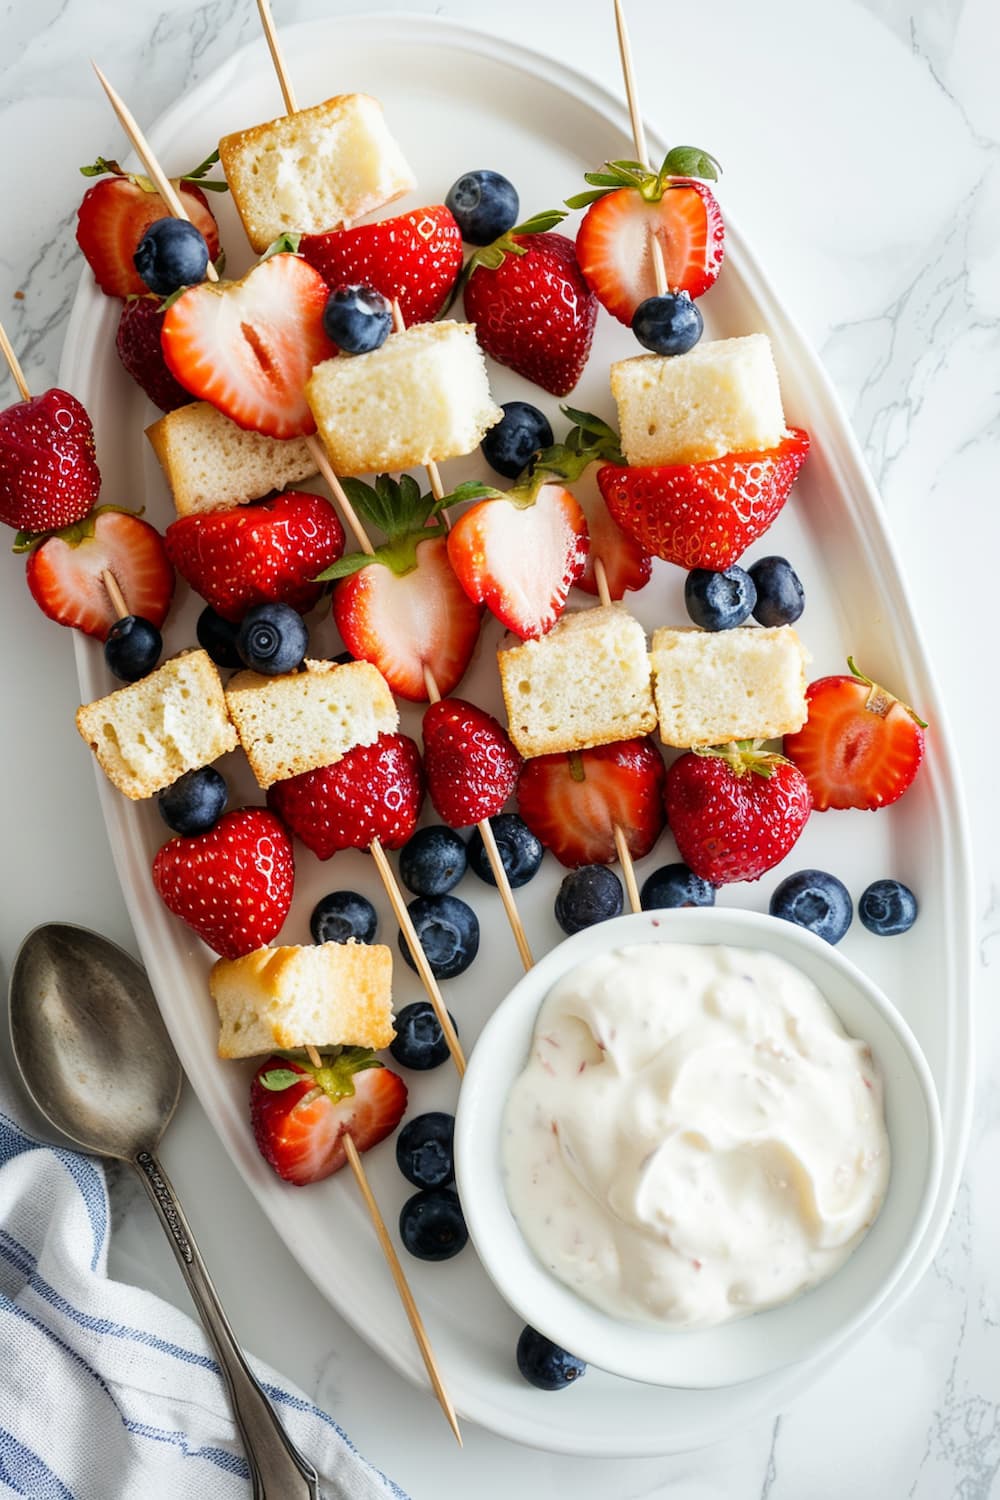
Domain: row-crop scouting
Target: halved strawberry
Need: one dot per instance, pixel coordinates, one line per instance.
(627, 564)
(300, 1114)
(628, 206)
(704, 515)
(401, 607)
(48, 467)
(860, 746)
(415, 257)
(113, 218)
(64, 572)
(372, 792)
(470, 764)
(573, 801)
(531, 306)
(256, 554)
(232, 885)
(521, 560)
(249, 346)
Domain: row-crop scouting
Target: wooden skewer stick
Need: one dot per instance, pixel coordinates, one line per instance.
(638, 133)
(402, 1287)
(622, 848)
(15, 367)
(398, 1274)
(287, 92)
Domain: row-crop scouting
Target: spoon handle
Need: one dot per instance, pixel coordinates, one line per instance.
(277, 1470)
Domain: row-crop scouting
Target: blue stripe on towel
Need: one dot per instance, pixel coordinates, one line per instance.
(25, 1473)
(88, 1178)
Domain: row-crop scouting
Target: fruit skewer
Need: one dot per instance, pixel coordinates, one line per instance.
(437, 490)
(386, 873)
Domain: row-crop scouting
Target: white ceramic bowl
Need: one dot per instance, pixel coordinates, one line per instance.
(811, 1324)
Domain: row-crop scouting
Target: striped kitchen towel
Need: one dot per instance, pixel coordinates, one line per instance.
(107, 1392)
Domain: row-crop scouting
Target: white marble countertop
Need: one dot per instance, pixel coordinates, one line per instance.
(862, 146)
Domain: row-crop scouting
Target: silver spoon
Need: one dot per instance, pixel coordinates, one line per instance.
(95, 1057)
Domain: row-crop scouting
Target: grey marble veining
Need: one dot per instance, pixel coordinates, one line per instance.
(885, 233)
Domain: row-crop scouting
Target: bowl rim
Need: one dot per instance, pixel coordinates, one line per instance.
(635, 1351)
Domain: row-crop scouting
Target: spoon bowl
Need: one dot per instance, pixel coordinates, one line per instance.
(90, 1043)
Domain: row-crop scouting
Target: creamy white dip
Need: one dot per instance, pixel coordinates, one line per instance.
(694, 1136)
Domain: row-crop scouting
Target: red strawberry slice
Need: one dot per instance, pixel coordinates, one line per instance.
(372, 792)
(407, 622)
(140, 351)
(415, 257)
(521, 560)
(470, 764)
(257, 554)
(735, 811)
(300, 1114)
(249, 346)
(627, 565)
(48, 466)
(573, 801)
(613, 244)
(113, 218)
(533, 311)
(64, 573)
(859, 747)
(232, 885)
(704, 515)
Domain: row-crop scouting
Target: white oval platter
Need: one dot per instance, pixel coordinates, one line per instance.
(458, 98)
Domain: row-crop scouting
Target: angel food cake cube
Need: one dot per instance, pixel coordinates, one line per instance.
(211, 464)
(291, 724)
(323, 995)
(424, 395)
(721, 397)
(318, 169)
(148, 734)
(585, 683)
(712, 686)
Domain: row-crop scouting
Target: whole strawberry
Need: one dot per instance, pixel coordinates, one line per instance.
(48, 466)
(532, 309)
(258, 554)
(470, 764)
(414, 257)
(372, 792)
(232, 885)
(300, 1113)
(138, 344)
(735, 810)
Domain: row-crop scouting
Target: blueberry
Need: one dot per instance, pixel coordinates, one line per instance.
(509, 445)
(432, 1225)
(588, 895)
(780, 595)
(419, 1042)
(888, 907)
(357, 319)
(195, 802)
(171, 254)
(544, 1364)
(425, 1150)
(485, 206)
(433, 861)
(675, 885)
(132, 648)
(520, 852)
(449, 934)
(670, 324)
(719, 601)
(218, 637)
(272, 639)
(814, 900)
(341, 916)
